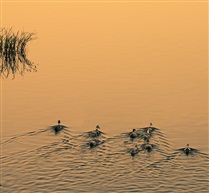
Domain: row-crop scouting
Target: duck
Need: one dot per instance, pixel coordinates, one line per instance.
(147, 132)
(133, 134)
(96, 132)
(58, 127)
(149, 129)
(187, 149)
(148, 146)
(135, 151)
(94, 143)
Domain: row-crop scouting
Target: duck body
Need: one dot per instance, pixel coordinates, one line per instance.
(94, 143)
(149, 130)
(133, 134)
(148, 147)
(187, 150)
(95, 133)
(58, 128)
(135, 151)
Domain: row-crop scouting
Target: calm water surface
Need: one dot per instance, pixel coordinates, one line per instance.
(120, 65)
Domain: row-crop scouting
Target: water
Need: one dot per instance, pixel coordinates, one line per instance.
(120, 65)
(64, 162)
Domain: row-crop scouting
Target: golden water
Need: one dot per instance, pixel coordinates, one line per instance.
(121, 65)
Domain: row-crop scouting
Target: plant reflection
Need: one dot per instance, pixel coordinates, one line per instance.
(13, 52)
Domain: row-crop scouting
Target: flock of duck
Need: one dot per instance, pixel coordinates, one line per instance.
(146, 135)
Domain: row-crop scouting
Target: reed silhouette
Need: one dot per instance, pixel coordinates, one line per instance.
(13, 52)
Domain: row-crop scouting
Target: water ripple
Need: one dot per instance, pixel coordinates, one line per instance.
(44, 162)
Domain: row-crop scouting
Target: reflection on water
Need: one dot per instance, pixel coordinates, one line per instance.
(13, 52)
(65, 162)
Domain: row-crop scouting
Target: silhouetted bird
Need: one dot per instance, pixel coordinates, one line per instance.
(187, 149)
(135, 151)
(96, 132)
(133, 134)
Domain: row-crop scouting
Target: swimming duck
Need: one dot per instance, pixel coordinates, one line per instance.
(94, 143)
(133, 134)
(96, 132)
(149, 129)
(135, 151)
(187, 149)
(58, 127)
(148, 146)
